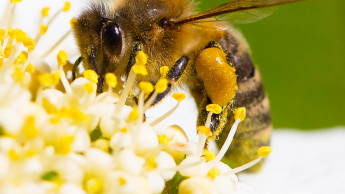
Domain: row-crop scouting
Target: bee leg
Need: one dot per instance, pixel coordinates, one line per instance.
(100, 78)
(75, 66)
(173, 76)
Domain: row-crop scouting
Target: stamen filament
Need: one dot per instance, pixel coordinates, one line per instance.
(243, 167)
(228, 141)
(150, 101)
(64, 81)
(125, 92)
(166, 115)
(57, 44)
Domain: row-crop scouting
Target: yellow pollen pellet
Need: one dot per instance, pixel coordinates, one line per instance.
(179, 96)
(67, 6)
(164, 71)
(146, 87)
(214, 108)
(29, 44)
(164, 139)
(64, 145)
(161, 85)
(20, 36)
(152, 163)
(134, 115)
(140, 70)
(264, 151)
(91, 75)
(44, 29)
(29, 129)
(89, 88)
(8, 50)
(213, 173)
(73, 22)
(62, 58)
(11, 32)
(30, 68)
(141, 58)
(45, 11)
(111, 80)
(122, 181)
(2, 34)
(205, 130)
(240, 113)
(208, 155)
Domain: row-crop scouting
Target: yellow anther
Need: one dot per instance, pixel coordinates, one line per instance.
(11, 32)
(152, 163)
(20, 35)
(8, 50)
(214, 108)
(67, 6)
(15, 1)
(124, 130)
(73, 22)
(64, 145)
(29, 43)
(44, 29)
(13, 155)
(45, 11)
(208, 155)
(164, 71)
(62, 58)
(1, 62)
(47, 79)
(30, 152)
(134, 115)
(111, 80)
(141, 58)
(29, 129)
(2, 34)
(213, 173)
(89, 87)
(264, 151)
(73, 113)
(140, 70)
(146, 87)
(91, 75)
(122, 181)
(161, 85)
(179, 96)
(22, 57)
(205, 130)
(94, 185)
(101, 144)
(240, 113)
(30, 68)
(164, 139)
(50, 108)
(18, 74)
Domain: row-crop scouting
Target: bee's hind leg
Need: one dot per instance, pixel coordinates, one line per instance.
(75, 67)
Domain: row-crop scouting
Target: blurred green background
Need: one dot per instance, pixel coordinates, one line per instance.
(300, 51)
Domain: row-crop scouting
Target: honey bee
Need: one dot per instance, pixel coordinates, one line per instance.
(200, 51)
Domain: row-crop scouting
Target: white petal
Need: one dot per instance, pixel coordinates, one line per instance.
(165, 161)
(81, 141)
(121, 140)
(193, 166)
(130, 162)
(156, 181)
(197, 185)
(146, 139)
(69, 188)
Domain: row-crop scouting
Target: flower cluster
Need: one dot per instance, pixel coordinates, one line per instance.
(60, 136)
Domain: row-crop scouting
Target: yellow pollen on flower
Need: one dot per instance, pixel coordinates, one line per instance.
(146, 87)
(20, 35)
(2, 34)
(13, 155)
(29, 129)
(264, 151)
(161, 85)
(47, 79)
(30, 68)
(140, 70)
(205, 130)
(94, 185)
(29, 43)
(122, 181)
(73, 113)
(11, 32)
(124, 130)
(30, 152)
(164, 71)
(179, 96)
(91, 75)
(101, 144)
(111, 80)
(89, 88)
(1, 62)
(141, 58)
(208, 155)
(213, 173)
(164, 139)
(67, 6)
(50, 108)
(214, 108)
(18, 74)
(73, 22)
(64, 145)
(8, 50)
(43, 29)
(16, 1)
(61, 58)
(134, 115)
(152, 163)
(22, 57)
(240, 113)
(45, 12)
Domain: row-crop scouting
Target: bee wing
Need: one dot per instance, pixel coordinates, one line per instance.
(240, 9)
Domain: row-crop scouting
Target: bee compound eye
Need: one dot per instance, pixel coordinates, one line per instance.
(112, 38)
